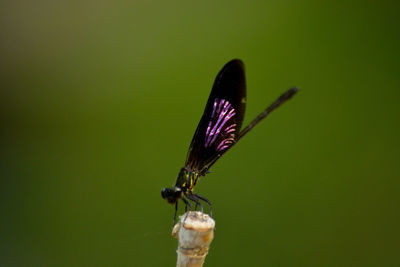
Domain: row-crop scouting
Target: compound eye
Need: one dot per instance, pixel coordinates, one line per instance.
(164, 193)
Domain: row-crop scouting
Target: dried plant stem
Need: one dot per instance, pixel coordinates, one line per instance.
(194, 234)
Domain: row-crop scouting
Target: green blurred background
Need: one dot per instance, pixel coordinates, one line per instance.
(99, 101)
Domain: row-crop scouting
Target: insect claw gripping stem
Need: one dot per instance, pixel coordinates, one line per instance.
(195, 200)
(205, 200)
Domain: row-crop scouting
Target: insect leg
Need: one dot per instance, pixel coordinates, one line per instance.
(205, 200)
(193, 198)
(187, 204)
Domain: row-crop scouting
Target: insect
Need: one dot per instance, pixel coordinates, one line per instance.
(219, 130)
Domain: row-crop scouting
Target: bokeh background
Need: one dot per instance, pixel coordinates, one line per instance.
(99, 101)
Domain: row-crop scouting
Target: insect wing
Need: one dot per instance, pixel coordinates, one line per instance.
(222, 119)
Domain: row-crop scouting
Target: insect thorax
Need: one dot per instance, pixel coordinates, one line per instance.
(186, 180)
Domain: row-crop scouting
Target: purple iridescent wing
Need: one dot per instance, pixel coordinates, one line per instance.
(222, 119)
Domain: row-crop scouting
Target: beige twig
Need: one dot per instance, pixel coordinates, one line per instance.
(194, 235)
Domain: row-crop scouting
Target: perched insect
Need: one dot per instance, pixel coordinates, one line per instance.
(217, 132)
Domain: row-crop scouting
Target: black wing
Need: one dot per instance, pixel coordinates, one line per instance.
(222, 119)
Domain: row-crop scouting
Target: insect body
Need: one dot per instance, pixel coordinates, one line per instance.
(218, 130)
